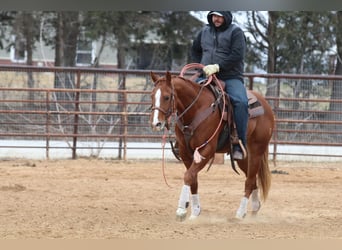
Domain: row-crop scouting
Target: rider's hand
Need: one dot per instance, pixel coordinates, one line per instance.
(211, 69)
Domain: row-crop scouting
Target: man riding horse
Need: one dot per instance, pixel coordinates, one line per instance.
(221, 47)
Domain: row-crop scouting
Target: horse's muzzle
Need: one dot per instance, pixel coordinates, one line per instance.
(158, 126)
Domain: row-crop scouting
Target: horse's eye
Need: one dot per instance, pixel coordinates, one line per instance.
(166, 98)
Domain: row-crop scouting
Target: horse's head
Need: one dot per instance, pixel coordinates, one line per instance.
(162, 101)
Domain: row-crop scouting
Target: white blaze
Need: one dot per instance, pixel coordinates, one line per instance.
(157, 105)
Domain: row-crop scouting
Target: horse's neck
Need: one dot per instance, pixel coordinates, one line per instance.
(187, 93)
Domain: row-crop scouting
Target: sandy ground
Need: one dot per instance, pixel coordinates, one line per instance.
(108, 199)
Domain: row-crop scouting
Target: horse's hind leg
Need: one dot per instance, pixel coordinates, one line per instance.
(256, 204)
(250, 169)
(242, 210)
(195, 206)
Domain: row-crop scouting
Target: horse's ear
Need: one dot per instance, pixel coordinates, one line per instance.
(154, 77)
(168, 77)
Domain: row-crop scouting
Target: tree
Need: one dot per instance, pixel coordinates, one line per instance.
(67, 27)
(291, 42)
(338, 70)
(294, 42)
(25, 33)
(336, 92)
(303, 42)
(67, 31)
(264, 44)
(177, 29)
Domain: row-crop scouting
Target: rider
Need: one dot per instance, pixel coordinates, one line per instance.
(221, 47)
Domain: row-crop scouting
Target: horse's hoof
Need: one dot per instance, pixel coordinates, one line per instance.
(242, 211)
(180, 217)
(180, 214)
(195, 212)
(240, 215)
(256, 205)
(193, 217)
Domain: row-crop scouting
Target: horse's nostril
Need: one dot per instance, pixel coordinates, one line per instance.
(158, 124)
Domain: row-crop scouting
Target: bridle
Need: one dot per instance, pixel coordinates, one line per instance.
(171, 109)
(167, 113)
(198, 118)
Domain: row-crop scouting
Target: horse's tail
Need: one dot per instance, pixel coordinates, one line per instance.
(264, 176)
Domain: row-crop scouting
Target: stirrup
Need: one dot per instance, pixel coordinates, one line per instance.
(244, 151)
(240, 154)
(175, 150)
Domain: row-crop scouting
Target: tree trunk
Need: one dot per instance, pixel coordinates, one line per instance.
(28, 24)
(272, 86)
(336, 92)
(67, 31)
(338, 70)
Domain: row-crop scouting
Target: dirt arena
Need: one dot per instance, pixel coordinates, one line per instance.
(108, 199)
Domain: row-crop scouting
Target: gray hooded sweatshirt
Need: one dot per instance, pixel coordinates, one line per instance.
(225, 45)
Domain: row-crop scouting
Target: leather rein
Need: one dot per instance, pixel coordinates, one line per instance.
(199, 118)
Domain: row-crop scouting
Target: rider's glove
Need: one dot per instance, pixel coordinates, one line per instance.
(211, 69)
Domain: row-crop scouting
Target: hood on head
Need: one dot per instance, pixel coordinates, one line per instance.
(227, 15)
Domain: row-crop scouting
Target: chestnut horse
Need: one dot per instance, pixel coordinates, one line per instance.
(176, 94)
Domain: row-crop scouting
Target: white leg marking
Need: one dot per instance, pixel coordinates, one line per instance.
(195, 206)
(242, 211)
(183, 202)
(184, 196)
(157, 105)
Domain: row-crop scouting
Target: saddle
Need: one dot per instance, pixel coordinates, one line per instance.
(255, 109)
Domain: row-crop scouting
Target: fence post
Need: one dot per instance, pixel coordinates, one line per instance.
(275, 131)
(125, 117)
(122, 99)
(47, 125)
(250, 85)
(77, 109)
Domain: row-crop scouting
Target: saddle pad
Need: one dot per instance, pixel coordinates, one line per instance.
(254, 107)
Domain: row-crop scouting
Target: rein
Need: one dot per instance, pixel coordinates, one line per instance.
(197, 156)
(193, 102)
(185, 68)
(163, 156)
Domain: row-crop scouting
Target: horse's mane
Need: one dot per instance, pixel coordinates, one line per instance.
(186, 80)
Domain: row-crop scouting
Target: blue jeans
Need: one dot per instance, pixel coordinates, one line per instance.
(238, 97)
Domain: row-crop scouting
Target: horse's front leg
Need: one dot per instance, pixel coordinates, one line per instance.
(194, 199)
(189, 194)
(183, 203)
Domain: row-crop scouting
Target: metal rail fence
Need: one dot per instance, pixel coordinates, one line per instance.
(94, 109)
